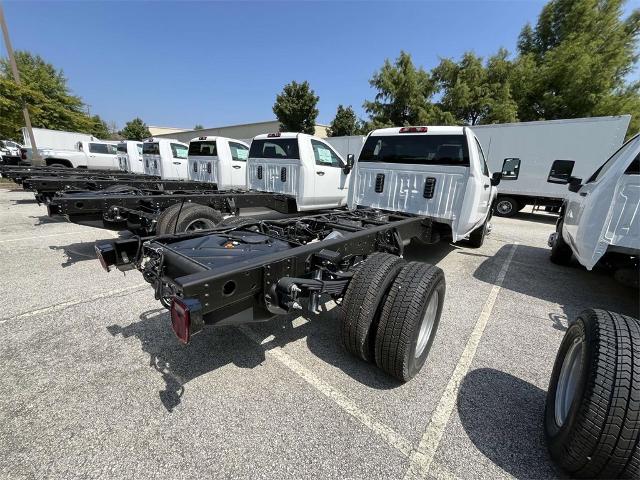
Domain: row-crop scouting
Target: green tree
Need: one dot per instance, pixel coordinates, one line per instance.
(44, 88)
(99, 128)
(475, 93)
(135, 129)
(345, 123)
(576, 62)
(198, 127)
(296, 108)
(404, 96)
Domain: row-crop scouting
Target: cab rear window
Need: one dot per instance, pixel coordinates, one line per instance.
(417, 149)
(122, 147)
(286, 148)
(203, 149)
(150, 148)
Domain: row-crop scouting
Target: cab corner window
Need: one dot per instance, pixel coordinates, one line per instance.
(634, 167)
(239, 152)
(324, 155)
(510, 169)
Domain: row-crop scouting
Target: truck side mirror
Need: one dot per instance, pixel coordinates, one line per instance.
(495, 178)
(560, 172)
(349, 166)
(575, 184)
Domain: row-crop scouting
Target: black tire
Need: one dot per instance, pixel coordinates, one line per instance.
(198, 217)
(560, 250)
(236, 221)
(595, 432)
(362, 303)
(403, 314)
(58, 165)
(476, 238)
(167, 219)
(507, 207)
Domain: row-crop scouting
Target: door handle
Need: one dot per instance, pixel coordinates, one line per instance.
(177, 163)
(235, 166)
(320, 173)
(584, 194)
(486, 186)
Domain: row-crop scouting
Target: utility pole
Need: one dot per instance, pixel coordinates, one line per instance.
(35, 156)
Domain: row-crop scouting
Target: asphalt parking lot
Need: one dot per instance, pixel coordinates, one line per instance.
(94, 383)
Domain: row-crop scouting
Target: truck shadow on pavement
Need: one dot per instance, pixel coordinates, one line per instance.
(502, 415)
(574, 288)
(537, 217)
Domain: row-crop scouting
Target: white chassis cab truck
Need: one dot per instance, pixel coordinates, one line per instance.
(299, 165)
(437, 172)
(93, 154)
(218, 160)
(600, 219)
(166, 158)
(130, 156)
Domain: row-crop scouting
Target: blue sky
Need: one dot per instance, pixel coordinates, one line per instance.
(220, 63)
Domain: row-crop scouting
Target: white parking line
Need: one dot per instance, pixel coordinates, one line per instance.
(388, 434)
(38, 236)
(71, 303)
(421, 460)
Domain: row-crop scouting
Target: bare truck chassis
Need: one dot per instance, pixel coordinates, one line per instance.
(249, 270)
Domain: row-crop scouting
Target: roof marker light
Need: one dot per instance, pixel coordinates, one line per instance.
(413, 130)
(271, 135)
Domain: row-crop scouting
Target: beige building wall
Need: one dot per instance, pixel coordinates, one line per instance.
(163, 130)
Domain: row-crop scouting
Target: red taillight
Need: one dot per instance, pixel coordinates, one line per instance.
(271, 135)
(413, 130)
(180, 320)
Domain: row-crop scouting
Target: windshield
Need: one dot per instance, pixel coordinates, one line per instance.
(203, 149)
(275, 148)
(417, 149)
(599, 173)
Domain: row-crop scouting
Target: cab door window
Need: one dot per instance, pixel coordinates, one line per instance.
(239, 152)
(324, 155)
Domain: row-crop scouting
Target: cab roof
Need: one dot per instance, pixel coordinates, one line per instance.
(157, 140)
(213, 138)
(416, 130)
(265, 136)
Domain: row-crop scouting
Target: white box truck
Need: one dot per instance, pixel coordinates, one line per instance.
(533, 147)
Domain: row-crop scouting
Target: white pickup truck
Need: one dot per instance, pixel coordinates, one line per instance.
(130, 156)
(166, 158)
(601, 219)
(96, 154)
(299, 165)
(218, 160)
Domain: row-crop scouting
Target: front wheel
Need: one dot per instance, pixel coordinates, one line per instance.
(592, 413)
(560, 250)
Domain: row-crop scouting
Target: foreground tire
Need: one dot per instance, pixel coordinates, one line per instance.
(198, 217)
(121, 189)
(592, 414)
(560, 250)
(362, 304)
(409, 320)
(507, 207)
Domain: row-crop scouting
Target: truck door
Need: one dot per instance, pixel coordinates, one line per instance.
(488, 192)
(179, 161)
(239, 155)
(330, 182)
(102, 156)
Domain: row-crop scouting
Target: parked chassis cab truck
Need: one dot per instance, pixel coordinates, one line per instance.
(218, 160)
(292, 171)
(246, 270)
(600, 220)
(87, 154)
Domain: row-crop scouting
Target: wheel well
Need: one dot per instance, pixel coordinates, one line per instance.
(61, 161)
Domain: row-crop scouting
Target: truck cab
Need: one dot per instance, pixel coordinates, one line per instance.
(92, 154)
(600, 216)
(130, 156)
(300, 165)
(218, 160)
(166, 158)
(436, 172)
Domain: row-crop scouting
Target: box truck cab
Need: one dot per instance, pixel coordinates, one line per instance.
(601, 216)
(166, 158)
(130, 156)
(436, 172)
(300, 165)
(218, 160)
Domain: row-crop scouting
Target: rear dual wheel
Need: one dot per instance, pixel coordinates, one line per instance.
(187, 217)
(390, 313)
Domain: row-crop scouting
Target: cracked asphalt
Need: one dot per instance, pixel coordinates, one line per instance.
(94, 384)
